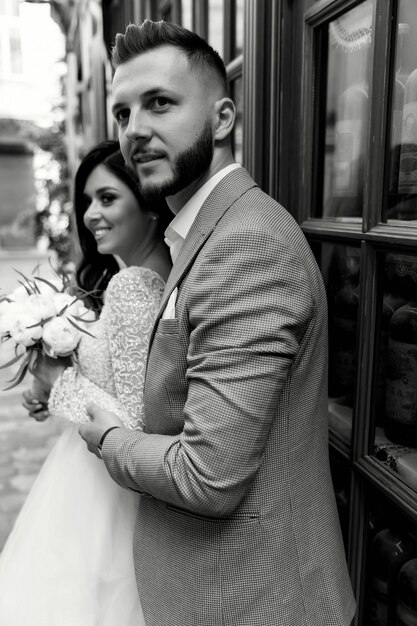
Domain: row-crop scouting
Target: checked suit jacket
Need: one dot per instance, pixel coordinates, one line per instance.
(237, 523)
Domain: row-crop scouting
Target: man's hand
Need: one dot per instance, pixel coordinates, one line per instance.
(102, 420)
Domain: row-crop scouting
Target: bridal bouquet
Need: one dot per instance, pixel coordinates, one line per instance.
(41, 316)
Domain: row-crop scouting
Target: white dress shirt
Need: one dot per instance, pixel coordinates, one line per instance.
(179, 227)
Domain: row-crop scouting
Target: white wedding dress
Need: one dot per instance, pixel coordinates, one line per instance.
(68, 561)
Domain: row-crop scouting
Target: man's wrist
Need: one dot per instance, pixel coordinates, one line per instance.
(104, 435)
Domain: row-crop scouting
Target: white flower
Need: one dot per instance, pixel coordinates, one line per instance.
(41, 306)
(87, 314)
(45, 289)
(9, 313)
(21, 332)
(19, 295)
(62, 300)
(60, 337)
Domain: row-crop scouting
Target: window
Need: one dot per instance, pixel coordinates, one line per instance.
(359, 213)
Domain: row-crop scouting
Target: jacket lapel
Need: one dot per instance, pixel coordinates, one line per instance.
(229, 189)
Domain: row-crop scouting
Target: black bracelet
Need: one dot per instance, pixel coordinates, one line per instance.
(104, 435)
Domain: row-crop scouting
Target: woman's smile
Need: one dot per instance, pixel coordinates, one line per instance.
(100, 232)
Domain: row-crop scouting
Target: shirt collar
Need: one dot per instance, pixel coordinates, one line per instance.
(182, 222)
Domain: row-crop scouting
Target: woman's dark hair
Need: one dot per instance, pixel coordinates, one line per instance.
(95, 270)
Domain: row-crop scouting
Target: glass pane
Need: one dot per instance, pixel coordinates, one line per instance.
(347, 106)
(402, 193)
(395, 395)
(216, 25)
(391, 569)
(340, 266)
(341, 483)
(236, 92)
(239, 21)
(187, 15)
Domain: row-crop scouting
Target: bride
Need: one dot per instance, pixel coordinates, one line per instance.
(68, 561)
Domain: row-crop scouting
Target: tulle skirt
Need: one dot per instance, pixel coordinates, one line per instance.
(68, 561)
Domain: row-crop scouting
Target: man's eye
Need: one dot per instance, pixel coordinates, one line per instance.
(122, 116)
(160, 102)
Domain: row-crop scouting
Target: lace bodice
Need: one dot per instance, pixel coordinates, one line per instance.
(111, 365)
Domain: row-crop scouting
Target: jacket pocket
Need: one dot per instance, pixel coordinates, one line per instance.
(165, 384)
(167, 327)
(247, 516)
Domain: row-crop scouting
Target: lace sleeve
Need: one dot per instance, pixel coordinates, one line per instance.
(72, 391)
(133, 298)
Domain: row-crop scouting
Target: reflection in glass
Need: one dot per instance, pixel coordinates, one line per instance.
(239, 27)
(396, 362)
(236, 92)
(391, 551)
(402, 193)
(340, 266)
(347, 112)
(341, 484)
(390, 566)
(216, 23)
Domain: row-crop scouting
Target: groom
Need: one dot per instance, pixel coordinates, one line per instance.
(237, 523)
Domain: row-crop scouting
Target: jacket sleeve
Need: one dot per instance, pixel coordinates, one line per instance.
(248, 314)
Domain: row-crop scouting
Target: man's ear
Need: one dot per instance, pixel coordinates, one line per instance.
(225, 111)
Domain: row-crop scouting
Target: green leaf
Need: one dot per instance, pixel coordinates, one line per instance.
(42, 322)
(51, 285)
(25, 286)
(32, 360)
(18, 378)
(82, 319)
(80, 329)
(12, 361)
(63, 277)
(35, 325)
(25, 278)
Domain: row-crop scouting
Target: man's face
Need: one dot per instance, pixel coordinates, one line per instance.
(165, 116)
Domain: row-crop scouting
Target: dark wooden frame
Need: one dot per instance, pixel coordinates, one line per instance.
(376, 238)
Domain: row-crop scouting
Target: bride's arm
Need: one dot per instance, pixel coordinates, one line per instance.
(72, 392)
(133, 303)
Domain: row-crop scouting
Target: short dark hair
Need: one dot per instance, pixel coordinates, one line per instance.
(94, 270)
(150, 35)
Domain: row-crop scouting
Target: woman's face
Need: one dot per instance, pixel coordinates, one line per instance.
(114, 216)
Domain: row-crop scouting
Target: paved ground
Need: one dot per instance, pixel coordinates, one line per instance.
(24, 444)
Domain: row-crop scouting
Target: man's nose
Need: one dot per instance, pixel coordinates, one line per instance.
(138, 127)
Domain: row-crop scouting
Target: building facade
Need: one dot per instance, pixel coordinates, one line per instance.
(326, 93)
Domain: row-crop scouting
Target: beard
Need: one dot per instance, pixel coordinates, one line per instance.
(188, 166)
